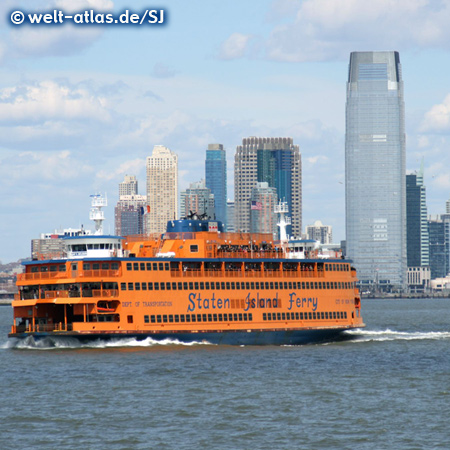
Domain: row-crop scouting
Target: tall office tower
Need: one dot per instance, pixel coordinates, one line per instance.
(439, 246)
(230, 216)
(197, 199)
(320, 232)
(216, 178)
(129, 214)
(276, 161)
(162, 189)
(129, 186)
(417, 238)
(262, 209)
(375, 188)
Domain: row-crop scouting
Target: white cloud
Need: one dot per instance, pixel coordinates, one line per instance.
(330, 29)
(49, 100)
(437, 119)
(236, 46)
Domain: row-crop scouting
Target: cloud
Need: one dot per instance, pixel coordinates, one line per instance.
(236, 46)
(132, 166)
(162, 71)
(48, 100)
(437, 119)
(320, 30)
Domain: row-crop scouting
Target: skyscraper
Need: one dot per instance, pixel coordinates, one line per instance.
(275, 161)
(262, 209)
(216, 179)
(198, 199)
(320, 232)
(162, 188)
(129, 186)
(375, 190)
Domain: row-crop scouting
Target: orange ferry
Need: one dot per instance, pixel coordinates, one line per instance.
(194, 283)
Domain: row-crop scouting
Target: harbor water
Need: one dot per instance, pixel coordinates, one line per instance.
(386, 387)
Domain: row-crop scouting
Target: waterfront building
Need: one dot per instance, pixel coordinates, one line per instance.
(276, 161)
(216, 179)
(129, 186)
(417, 237)
(320, 232)
(375, 184)
(197, 199)
(230, 217)
(262, 209)
(129, 214)
(162, 189)
(439, 233)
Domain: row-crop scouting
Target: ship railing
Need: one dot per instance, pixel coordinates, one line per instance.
(238, 273)
(99, 273)
(80, 273)
(41, 328)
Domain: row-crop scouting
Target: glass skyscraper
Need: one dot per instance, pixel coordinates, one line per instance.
(216, 179)
(375, 184)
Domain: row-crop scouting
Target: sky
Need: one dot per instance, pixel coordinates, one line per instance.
(82, 106)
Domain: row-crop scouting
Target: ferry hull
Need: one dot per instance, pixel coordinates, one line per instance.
(254, 337)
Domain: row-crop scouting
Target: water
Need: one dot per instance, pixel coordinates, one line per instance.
(386, 388)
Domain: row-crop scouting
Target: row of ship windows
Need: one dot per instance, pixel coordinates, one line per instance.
(306, 315)
(196, 318)
(234, 285)
(243, 317)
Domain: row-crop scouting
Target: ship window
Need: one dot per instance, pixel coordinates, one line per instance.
(44, 268)
(322, 315)
(207, 285)
(266, 284)
(188, 317)
(182, 318)
(301, 316)
(86, 266)
(158, 319)
(155, 266)
(235, 317)
(334, 314)
(130, 286)
(264, 316)
(150, 286)
(160, 266)
(328, 285)
(204, 317)
(194, 248)
(199, 317)
(165, 318)
(245, 317)
(191, 285)
(250, 316)
(314, 315)
(96, 266)
(185, 286)
(174, 286)
(146, 319)
(228, 285)
(162, 286)
(345, 314)
(196, 285)
(135, 266)
(276, 285)
(202, 285)
(149, 266)
(123, 286)
(142, 266)
(283, 316)
(278, 316)
(247, 285)
(53, 268)
(152, 319)
(156, 286)
(220, 318)
(296, 316)
(144, 286)
(137, 286)
(166, 266)
(129, 266)
(170, 318)
(105, 266)
(252, 285)
(177, 318)
(271, 285)
(209, 317)
(193, 318)
(62, 268)
(130, 319)
(114, 266)
(180, 286)
(168, 286)
(222, 285)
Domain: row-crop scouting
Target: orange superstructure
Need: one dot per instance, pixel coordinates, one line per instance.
(194, 285)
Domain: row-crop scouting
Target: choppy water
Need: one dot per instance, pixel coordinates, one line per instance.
(388, 387)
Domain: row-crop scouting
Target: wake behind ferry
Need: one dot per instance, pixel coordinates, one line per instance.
(194, 283)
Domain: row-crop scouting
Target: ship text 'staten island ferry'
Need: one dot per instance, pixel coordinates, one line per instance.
(194, 283)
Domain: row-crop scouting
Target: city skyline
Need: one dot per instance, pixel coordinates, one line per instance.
(82, 107)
